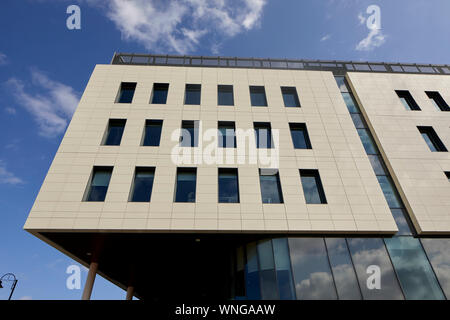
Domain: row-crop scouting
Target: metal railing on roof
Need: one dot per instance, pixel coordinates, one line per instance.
(259, 63)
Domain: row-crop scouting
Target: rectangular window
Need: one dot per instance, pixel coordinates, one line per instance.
(98, 184)
(192, 94)
(126, 92)
(152, 133)
(227, 134)
(228, 185)
(142, 185)
(290, 97)
(258, 96)
(407, 100)
(263, 134)
(186, 185)
(159, 95)
(225, 95)
(114, 132)
(431, 138)
(189, 133)
(270, 186)
(437, 100)
(300, 136)
(312, 187)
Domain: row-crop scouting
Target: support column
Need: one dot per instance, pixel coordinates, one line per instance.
(90, 281)
(130, 293)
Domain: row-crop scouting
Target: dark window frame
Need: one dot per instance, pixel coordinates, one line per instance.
(187, 170)
(133, 184)
(186, 125)
(88, 190)
(286, 90)
(226, 88)
(257, 90)
(234, 171)
(302, 127)
(220, 137)
(438, 100)
(263, 125)
(409, 99)
(278, 185)
(157, 86)
(149, 122)
(191, 87)
(433, 137)
(314, 173)
(113, 123)
(126, 86)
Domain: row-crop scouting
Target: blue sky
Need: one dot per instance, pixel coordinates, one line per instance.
(44, 67)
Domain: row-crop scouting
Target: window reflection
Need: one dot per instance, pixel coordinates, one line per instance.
(252, 273)
(371, 251)
(267, 271)
(343, 271)
(283, 267)
(312, 274)
(413, 269)
(438, 251)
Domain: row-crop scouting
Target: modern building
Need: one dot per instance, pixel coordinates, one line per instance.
(233, 178)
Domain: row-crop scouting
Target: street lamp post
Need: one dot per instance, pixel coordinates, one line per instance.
(9, 277)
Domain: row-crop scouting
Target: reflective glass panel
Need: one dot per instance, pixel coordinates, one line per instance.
(263, 135)
(413, 269)
(300, 136)
(390, 194)
(252, 286)
(344, 274)
(367, 141)
(189, 133)
(283, 268)
(376, 276)
(400, 219)
(269, 288)
(438, 251)
(312, 187)
(115, 132)
(351, 106)
(312, 274)
(126, 92)
(227, 134)
(377, 165)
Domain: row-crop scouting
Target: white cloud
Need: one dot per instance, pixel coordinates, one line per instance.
(3, 59)
(374, 39)
(7, 177)
(10, 110)
(178, 26)
(325, 37)
(52, 107)
(361, 18)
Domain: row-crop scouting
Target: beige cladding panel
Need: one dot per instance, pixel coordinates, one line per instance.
(355, 200)
(418, 172)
